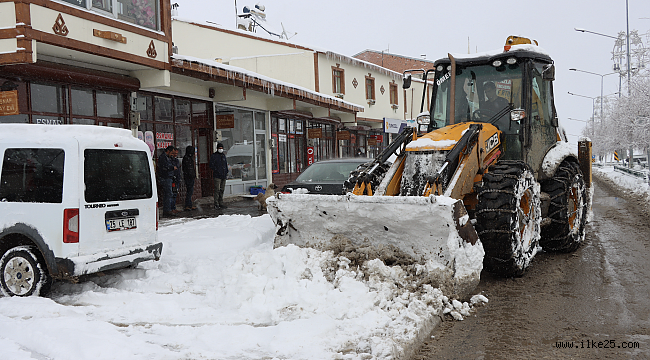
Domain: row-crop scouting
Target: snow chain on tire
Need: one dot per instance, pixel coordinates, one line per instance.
(567, 209)
(508, 216)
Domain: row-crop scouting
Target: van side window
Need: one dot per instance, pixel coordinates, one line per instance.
(114, 175)
(32, 175)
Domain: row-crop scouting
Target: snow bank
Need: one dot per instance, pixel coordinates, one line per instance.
(220, 291)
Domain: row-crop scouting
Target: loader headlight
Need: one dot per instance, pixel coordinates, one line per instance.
(511, 61)
(440, 68)
(496, 63)
(517, 114)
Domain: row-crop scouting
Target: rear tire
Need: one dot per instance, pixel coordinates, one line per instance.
(567, 210)
(508, 216)
(22, 273)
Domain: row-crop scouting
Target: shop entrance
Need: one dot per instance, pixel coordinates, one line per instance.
(203, 141)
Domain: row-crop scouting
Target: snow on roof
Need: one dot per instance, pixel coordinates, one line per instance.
(269, 85)
(368, 65)
(513, 48)
(330, 54)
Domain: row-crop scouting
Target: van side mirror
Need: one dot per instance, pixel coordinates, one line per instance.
(549, 72)
(407, 82)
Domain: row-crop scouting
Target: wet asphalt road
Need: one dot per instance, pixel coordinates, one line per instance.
(590, 304)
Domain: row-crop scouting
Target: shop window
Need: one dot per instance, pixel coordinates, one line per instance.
(110, 104)
(260, 121)
(238, 142)
(83, 121)
(82, 102)
(49, 98)
(14, 119)
(182, 111)
(393, 93)
(163, 109)
(144, 106)
(338, 80)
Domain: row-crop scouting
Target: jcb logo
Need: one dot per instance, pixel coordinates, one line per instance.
(492, 142)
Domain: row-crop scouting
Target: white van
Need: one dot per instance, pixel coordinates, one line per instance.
(74, 200)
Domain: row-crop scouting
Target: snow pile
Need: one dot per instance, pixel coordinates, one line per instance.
(425, 143)
(220, 291)
(396, 229)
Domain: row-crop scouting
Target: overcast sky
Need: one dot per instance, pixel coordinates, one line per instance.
(435, 28)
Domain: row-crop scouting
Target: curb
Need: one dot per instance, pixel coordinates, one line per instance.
(423, 334)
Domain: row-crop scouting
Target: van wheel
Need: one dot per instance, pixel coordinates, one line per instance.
(22, 274)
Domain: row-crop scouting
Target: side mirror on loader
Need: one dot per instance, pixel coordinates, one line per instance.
(549, 72)
(407, 82)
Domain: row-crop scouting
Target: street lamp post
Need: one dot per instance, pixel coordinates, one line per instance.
(602, 76)
(593, 111)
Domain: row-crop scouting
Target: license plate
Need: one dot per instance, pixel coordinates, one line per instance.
(120, 224)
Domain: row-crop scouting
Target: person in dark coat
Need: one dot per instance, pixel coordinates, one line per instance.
(189, 175)
(219, 166)
(165, 169)
(176, 179)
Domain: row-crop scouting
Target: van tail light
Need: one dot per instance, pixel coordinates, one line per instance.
(71, 225)
(157, 216)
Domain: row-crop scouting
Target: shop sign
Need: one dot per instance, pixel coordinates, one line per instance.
(379, 138)
(49, 121)
(310, 155)
(282, 138)
(343, 135)
(395, 126)
(372, 142)
(315, 133)
(163, 139)
(226, 121)
(8, 103)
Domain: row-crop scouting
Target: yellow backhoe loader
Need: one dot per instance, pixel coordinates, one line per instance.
(484, 179)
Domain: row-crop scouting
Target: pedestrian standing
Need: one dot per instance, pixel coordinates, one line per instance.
(176, 179)
(189, 175)
(165, 170)
(219, 166)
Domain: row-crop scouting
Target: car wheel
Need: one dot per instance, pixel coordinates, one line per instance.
(22, 274)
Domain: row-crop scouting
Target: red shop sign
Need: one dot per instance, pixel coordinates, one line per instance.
(310, 155)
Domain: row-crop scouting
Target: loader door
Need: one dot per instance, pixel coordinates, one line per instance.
(542, 130)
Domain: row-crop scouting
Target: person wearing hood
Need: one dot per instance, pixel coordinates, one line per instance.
(189, 176)
(219, 166)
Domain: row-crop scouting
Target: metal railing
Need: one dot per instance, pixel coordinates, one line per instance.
(636, 173)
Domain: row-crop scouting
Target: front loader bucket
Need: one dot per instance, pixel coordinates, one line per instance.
(433, 232)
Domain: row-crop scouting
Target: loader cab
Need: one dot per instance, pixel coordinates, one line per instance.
(512, 90)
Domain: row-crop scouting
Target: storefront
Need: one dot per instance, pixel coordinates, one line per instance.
(174, 120)
(298, 141)
(67, 95)
(243, 133)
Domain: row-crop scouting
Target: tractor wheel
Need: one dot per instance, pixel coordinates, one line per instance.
(508, 216)
(567, 212)
(22, 274)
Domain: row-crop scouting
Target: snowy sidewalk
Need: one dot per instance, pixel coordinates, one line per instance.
(220, 291)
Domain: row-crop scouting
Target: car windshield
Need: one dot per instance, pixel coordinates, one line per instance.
(484, 93)
(328, 171)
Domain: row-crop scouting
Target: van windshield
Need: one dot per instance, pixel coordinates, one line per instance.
(114, 175)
